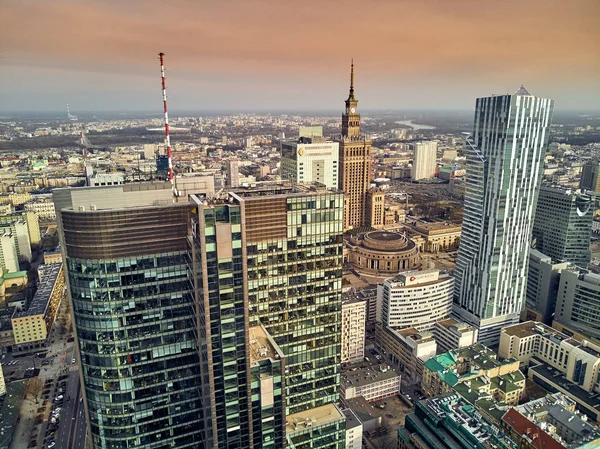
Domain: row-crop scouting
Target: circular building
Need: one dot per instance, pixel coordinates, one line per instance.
(381, 252)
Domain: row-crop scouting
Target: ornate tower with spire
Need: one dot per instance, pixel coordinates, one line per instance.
(355, 163)
(351, 117)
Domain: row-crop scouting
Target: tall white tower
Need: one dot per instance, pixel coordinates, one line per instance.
(505, 157)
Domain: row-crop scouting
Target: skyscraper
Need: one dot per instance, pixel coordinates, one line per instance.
(209, 324)
(355, 163)
(424, 160)
(590, 179)
(505, 154)
(127, 263)
(563, 224)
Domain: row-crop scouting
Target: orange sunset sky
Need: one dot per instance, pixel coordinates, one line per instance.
(295, 55)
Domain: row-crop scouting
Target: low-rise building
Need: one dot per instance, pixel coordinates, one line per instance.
(451, 334)
(449, 422)
(372, 381)
(30, 327)
(354, 318)
(354, 430)
(53, 256)
(473, 372)
(439, 236)
(11, 284)
(407, 349)
(43, 208)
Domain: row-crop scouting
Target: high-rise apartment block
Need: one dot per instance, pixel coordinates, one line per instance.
(563, 224)
(505, 157)
(233, 172)
(354, 320)
(590, 179)
(310, 159)
(214, 323)
(424, 161)
(355, 163)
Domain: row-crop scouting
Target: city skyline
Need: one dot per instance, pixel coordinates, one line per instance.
(100, 57)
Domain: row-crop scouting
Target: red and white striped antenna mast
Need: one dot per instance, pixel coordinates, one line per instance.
(164, 93)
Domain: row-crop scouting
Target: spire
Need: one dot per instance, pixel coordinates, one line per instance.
(352, 79)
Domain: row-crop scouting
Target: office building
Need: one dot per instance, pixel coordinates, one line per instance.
(31, 326)
(449, 422)
(424, 161)
(450, 334)
(577, 302)
(128, 268)
(233, 172)
(557, 362)
(416, 299)
(288, 239)
(505, 154)
(354, 319)
(589, 176)
(543, 277)
(563, 224)
(354, 163)
(310, 159)
(407, 349)
(9, 260)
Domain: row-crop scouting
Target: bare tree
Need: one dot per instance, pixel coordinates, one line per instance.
(34, 387)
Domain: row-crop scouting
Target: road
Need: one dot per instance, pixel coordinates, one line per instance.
(69, 411)
(79, 435)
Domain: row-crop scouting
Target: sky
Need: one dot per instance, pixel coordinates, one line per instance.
(256, 55)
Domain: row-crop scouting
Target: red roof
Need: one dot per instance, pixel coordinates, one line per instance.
(523, 426)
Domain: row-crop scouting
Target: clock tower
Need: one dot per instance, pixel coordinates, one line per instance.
(351, 117)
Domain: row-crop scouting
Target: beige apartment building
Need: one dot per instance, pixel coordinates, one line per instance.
(354, 319)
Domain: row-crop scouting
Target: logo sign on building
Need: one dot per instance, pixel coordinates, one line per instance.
(419, 277)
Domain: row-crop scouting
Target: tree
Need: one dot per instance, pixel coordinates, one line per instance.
(34, 387)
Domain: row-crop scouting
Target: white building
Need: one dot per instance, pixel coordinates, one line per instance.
(415, 299)
(3, 385)
(505, 157)
(354, 318)
(8, 252)
(354, 430)
(373, 382)
(309, 160)
(450, 334)
(19, 230)
(424, 161)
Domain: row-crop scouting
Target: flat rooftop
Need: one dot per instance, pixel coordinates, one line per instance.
(275, 188)
(313, 417)
(364, 373)
(262, 346)
(40, 300)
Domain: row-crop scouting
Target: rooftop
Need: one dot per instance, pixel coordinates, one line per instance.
(262, 346)
(364, 373)
(352, 420)
(312, 418)
(40, 300)
(538, 438)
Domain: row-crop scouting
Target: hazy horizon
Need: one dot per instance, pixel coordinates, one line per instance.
(265, 55)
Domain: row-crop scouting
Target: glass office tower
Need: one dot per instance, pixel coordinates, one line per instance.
(505, 157)
(128, 258)
(278, 251)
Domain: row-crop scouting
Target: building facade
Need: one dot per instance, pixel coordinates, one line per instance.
(310, 160)
(372, 382)
(354, 162)
(424, 161)
(416, 299)
(563, 224)
(450, 334)
(505, 157)
(543, 277)
(381, 253)
(354, 320)
(589, 176)
(9, 259)
(376, 208)
(441, 236)
(128, 265)
(577, 301)
(233, 172)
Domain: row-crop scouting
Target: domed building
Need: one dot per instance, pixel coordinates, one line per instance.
(381, 253)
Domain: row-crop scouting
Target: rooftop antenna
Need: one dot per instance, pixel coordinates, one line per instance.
(164, 93)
